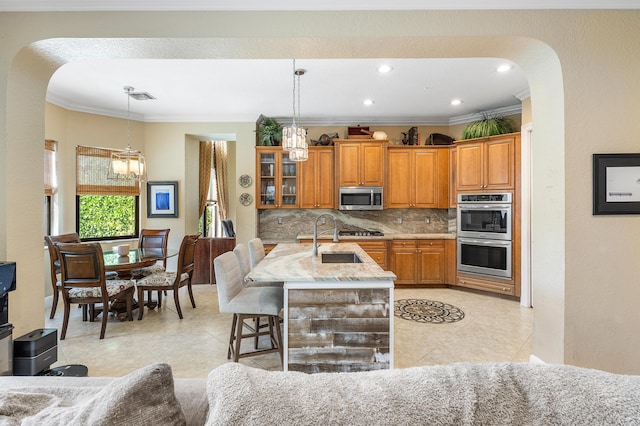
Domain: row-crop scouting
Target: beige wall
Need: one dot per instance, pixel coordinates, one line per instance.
(582, 68)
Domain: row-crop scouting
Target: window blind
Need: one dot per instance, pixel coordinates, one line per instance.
(49, 167)
(92, 167)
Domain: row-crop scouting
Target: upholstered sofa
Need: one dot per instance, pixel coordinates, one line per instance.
(233, 394)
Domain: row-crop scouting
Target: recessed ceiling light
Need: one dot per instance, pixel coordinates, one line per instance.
(504, 68)
(368, 102)
(456, 102)
(384, 68)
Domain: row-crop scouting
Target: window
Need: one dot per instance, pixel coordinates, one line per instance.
(50, 183)
(210, 220)
(105, 208)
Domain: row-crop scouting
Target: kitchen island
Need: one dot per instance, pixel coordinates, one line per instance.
(337, 316)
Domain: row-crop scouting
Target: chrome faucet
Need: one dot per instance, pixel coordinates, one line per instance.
(315, 232)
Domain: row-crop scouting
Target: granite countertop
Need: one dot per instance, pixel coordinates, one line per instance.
(293, 262)
(390, 236)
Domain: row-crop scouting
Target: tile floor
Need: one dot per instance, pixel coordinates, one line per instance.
(494, 329)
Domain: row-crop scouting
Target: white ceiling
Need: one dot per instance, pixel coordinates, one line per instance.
(417, 91)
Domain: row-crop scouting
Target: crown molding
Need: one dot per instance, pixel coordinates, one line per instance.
(326, 5)
(462, 119)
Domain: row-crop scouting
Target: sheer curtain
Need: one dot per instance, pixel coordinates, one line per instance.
(220, 167)
(204, 173)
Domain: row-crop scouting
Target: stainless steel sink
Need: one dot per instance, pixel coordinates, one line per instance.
(345, 257)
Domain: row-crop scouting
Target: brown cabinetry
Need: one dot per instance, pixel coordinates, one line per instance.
(277, 185)
(208, 249)
(487, 164)
(377, 250)
(419, 261)
(417, 177)
(360, 162)
(316, 179)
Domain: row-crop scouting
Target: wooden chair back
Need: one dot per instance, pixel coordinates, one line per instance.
(186, 255)
(154, 238)
(51, 241)
(82, 265)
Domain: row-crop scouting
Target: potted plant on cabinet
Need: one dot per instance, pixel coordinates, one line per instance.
(489, 125)
(269, 131)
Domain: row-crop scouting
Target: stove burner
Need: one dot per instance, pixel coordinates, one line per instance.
(362, 233)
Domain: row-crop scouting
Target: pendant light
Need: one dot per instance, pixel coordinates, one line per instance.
(294, 137)
(127, 164)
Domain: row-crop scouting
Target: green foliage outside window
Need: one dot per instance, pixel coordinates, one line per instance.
(105, 216)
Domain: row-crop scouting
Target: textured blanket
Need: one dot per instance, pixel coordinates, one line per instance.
(457, 394)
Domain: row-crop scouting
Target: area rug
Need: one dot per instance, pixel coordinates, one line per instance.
(427, 311)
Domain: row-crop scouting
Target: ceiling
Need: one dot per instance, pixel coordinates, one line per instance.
(415, 92)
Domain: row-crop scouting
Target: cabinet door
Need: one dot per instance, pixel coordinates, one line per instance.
(308, 178)
(404, 261)
(499, 163)
(325, 198)
(469, 170)
(372, 164)
(399, 179)
(377, 250)
(431, 255)
(425, 177)
(289, 181)
(268, 187)
(453, 164)
(349, 163)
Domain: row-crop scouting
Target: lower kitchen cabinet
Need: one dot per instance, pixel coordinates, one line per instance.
(377, 250)
(487, 284)
(419, 261)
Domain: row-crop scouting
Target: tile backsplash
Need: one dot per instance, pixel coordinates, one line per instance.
(286, 224)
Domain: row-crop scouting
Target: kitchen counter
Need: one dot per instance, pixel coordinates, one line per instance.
(293, 262)
(338, 317)
(385, 237)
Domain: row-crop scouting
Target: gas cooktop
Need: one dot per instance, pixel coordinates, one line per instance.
(361, 233)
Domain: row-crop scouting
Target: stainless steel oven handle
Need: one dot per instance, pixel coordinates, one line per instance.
(483, 206)
(484, 242)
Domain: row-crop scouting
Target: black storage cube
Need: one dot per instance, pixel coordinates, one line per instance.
(35, 351)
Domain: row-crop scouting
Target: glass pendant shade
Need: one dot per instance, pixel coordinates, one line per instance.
(294, 137)
(127, 164)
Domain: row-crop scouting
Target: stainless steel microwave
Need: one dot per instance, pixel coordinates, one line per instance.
(360, 198)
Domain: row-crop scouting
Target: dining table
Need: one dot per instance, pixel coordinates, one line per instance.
(124, 265)
(137, 258)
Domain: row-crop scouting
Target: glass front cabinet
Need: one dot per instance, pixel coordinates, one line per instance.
(277, 186)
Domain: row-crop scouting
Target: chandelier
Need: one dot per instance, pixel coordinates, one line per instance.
(127, 164)
(294, 137)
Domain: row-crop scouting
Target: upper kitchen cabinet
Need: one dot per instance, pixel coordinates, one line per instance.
(277, 185)
(316, 179)
(417, 177)
(360, 162)
(486, 164)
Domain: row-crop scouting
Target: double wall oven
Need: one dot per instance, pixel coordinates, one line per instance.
(484, 227)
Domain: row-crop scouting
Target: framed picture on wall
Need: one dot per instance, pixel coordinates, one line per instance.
(162, 199)
(616, 184)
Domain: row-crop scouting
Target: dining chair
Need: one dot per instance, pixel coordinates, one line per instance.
(161, 281)
(51, 240)
(227, 227)
(247, 303)
(152, 238)
(83, 281)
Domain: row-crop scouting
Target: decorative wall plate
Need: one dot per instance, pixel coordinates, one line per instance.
(246, 199)
(245, 181)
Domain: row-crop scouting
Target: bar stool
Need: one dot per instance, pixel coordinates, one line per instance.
(256, 251)
(247, 303)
